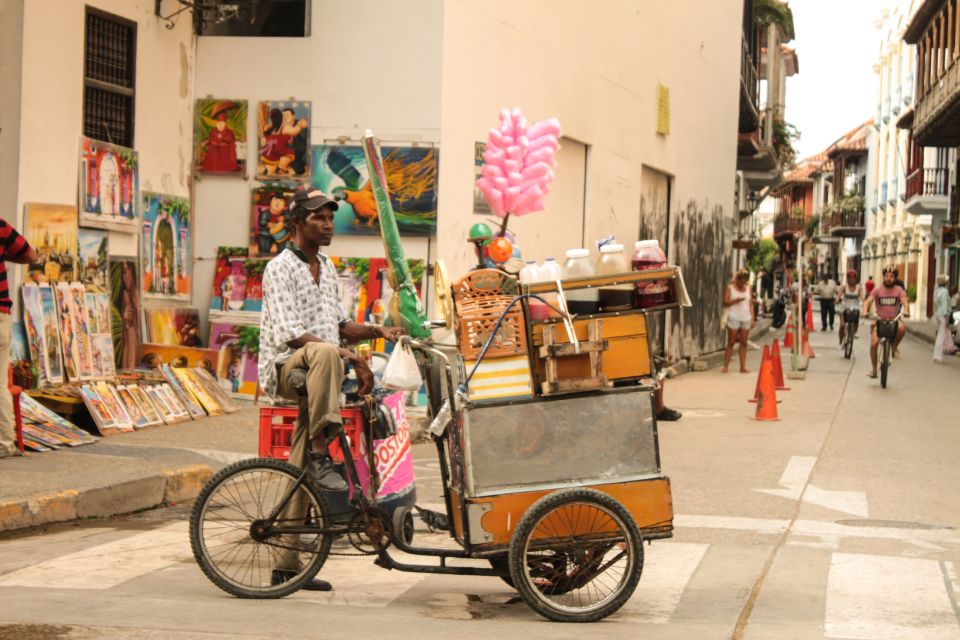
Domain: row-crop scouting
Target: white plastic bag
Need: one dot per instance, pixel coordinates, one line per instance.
(402, 372)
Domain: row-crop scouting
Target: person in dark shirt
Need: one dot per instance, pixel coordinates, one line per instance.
(13, 248)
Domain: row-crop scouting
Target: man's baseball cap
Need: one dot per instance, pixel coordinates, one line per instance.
(311, 200)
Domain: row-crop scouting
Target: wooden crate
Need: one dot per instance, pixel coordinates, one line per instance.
(627, 353)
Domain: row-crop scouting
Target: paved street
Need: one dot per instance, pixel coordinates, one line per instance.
(839, 521)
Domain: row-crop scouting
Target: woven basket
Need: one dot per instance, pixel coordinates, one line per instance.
(480, 298)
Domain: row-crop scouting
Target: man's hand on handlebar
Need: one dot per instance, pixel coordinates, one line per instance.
(362, 369)
(392, 333)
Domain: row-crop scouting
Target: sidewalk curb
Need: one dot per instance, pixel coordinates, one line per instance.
(166, 487)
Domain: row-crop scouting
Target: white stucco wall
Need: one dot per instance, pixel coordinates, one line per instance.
(51, 106)
(596, 67)
(11, 42)
(367, 64)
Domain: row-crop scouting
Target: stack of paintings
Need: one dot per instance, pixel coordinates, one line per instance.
(44, 429)
(198, 391)
(117, 407)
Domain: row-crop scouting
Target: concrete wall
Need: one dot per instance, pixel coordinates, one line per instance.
(51, 116)
(596, 68)
(367, 64)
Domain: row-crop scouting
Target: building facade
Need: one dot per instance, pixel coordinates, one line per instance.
(641, 155)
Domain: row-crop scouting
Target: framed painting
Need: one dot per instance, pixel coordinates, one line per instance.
(115, 405)
(269, 220)
(125, 314)
(49, 313)
(194, 388)
(185, 397)
(238, 347)
(98, 409)
(137, 416)
(51, 229)
(217, 392)
(173, 401)
(74, 333)
(340, 171)
(238, 284)
(146, 405)
(166, 251)
(109, 186)
(93, 247)
(283, 131)
(220, 136)
(34, 328)
(175, 326)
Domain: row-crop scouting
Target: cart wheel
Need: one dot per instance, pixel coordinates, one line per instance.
(576, 556)
(502, 563)
(230, 510)
(403, 524)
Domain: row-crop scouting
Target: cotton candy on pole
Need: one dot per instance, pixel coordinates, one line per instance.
(518, 161)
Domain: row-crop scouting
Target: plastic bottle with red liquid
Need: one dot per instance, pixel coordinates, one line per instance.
(648, 255)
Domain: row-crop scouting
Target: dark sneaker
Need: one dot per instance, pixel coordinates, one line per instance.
(669, 415)
(279, 576)
(321, 471)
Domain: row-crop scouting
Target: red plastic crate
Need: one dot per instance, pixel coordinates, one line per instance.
(276, 432)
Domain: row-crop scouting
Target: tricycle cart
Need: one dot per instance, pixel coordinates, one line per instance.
(554, 484)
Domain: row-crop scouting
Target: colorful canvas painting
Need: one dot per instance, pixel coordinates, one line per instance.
(19, 350)
(193, 386)
(220, 136)
(238, 346)
(173, 401)
(269, 220)
(176, 326)
(283, 129)
(168, 414)
(40, 415)
(209, 383)
(51, 229)
(115, 406)
(166, 248)
(103, 357)
(153, 356)
(74, 332)
(125, 314)
(34, 329)
(364, 287)
(98, 312)
(92, 251)
(237, 282)
(50, 332)
(98, 409)
(134, 410)
(145, 404)
(340, 171)
(109, 186)
(181, 393)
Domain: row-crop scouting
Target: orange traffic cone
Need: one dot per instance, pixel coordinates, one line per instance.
(809, 316)
(777, 367)
(788, 339)
(767, 397)
(805, 347)
(763, 361)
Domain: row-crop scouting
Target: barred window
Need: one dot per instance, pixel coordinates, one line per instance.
(109, 79)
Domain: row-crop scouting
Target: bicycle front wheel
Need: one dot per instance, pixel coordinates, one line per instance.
(885, 364)
(229, 529)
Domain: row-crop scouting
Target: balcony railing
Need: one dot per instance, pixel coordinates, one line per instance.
(748, 71)
(928, 182)
(788, 223)
(892, 191)
(883, 194)
(935, 122)
(847, 223)
(886, 110)
(876, 121)
(895, 105)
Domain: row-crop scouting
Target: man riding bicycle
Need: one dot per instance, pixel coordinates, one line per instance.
(850, 301)
(890, 298)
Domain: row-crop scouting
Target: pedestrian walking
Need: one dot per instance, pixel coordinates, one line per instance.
(827, 293)
(13, 248)
(869, 285)
(740, 318)
(941, 313)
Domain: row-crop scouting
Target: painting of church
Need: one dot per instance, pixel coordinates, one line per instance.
(109, 184)
(166, 250)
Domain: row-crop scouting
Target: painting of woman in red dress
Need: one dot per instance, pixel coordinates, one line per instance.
(220, 136)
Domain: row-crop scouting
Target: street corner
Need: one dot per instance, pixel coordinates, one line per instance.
(185, 483)
(36, 510)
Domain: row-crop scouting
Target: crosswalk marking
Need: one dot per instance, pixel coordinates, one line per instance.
(666, 572)
(107, 565)
(888, 597)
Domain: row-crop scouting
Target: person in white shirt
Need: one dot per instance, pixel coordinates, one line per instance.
(740, 319)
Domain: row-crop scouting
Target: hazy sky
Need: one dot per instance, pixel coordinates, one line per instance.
(836, 89)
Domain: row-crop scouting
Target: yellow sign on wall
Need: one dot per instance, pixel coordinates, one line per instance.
(663, 109)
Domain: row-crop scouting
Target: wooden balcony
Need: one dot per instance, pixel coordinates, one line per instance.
(848, 224)
(935, 29)
(788, 224)
(927, 190)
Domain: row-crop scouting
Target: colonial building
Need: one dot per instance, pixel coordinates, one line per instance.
(934, 134)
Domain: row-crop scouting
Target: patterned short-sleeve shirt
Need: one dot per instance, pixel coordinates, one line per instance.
(295, 304)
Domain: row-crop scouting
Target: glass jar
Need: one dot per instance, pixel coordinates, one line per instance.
(648, 255)
(613, 261)
(579, 265)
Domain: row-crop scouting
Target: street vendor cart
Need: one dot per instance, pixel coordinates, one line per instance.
(547, 442)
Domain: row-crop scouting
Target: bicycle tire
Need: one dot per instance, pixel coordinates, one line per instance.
(229, 485)
(848, 343)
(574, 530)
(885, 363)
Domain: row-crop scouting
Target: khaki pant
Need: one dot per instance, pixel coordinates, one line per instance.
(324, 379)
(8, 434)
